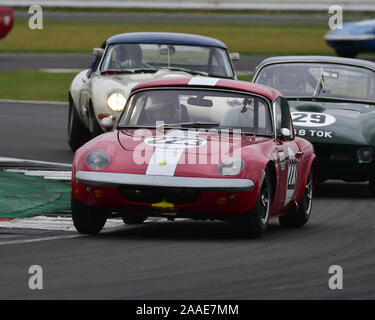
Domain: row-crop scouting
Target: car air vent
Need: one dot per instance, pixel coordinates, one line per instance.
(310, 107)
(154, 195)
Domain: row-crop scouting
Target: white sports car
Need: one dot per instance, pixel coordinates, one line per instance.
(98, 95)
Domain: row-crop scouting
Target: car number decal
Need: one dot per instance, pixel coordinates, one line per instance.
(292, 176)
(282, 160)
(313, 133)
(172, 141)
(312, 119)
(169, 149)
(203, 81)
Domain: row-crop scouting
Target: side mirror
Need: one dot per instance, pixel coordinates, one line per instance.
(98, 52)
(285, 134)
(107, 124)
(234, 56)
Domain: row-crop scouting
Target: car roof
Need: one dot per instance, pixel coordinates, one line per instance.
(166, 38)
(320, 59)
(208, 82)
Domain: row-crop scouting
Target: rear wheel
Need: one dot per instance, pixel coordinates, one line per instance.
(297, 217)
(88, 220)
(77, 133)
(255, 222)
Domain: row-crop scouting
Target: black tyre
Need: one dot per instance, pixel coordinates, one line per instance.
(78, 134)
(255, 222)
(134, 219)
(95, 129)
(297, 217)
(371, 186)
(87, 220)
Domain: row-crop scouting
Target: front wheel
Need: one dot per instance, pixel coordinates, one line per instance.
(95, 129)
(87, 220)
(255, 222)
(371, 186)
(77, 133)
(297, 217)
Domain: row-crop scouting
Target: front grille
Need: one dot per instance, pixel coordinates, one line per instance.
(334, 154)
(154, 195)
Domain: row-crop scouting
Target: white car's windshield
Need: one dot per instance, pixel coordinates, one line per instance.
(201, 60)
(334, 81)
(192, 108)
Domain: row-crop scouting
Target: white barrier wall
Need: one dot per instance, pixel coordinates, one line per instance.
(321, 5)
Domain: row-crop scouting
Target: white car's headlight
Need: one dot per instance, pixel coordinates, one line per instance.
(231, 166)
(116, 101)
(97, 159)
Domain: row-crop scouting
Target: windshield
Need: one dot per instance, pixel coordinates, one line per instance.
(192, 108)
(319, 80)
(206, 60)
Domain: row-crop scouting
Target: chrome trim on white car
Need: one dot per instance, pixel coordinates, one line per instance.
(110, 179)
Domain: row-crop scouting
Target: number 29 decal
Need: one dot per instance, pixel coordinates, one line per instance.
(312, 119)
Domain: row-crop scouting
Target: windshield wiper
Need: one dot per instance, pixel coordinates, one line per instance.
(199, 124)
(190, 124)
(140, 70)
(320, 85)
(129, 71)
(193, 72)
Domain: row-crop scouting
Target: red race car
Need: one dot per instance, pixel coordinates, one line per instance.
(6, 21)
(199, 148)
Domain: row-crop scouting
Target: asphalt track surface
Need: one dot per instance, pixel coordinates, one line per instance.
(77, 61)
(183, 259)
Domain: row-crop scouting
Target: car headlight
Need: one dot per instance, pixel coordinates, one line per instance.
(365, 155)
(231, 166)
(116, 101)
(97, 159)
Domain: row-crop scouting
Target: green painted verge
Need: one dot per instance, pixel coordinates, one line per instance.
(25, 196)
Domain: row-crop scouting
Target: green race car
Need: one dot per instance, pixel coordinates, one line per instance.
(332, 102)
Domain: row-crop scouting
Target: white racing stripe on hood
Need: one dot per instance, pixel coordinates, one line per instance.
(203, 81)
(167, 155)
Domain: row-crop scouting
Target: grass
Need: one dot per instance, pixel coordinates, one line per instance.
(34, 85)
(81, 37)
(244, 77)
(43, 86)
(244, 38)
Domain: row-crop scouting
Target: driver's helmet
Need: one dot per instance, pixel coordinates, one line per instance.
(294, 79)
(290, 79)
(165, 107)
(129, 55)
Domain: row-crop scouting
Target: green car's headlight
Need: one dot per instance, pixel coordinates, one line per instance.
(116, 101)
(231, 166)
(97, 159)
(365, 155)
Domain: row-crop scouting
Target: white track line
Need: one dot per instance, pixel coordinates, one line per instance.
(18, 160)
(58, 178)
(51, 223)
(60, 224)
(43, 173)
(55, 103)
(42, 239)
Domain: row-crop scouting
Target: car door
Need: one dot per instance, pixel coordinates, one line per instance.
(287, 155)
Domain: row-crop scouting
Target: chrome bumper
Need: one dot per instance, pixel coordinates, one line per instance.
(113, 180)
